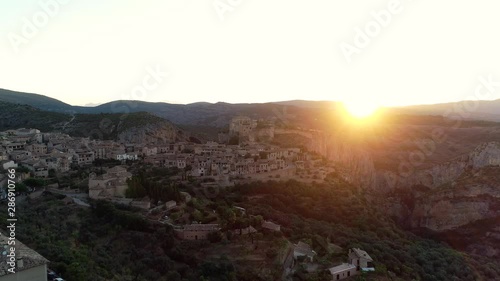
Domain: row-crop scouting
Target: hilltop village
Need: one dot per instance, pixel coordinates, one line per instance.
(224, 161)
(107, 170)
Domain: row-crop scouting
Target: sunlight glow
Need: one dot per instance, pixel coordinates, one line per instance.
(360, 109)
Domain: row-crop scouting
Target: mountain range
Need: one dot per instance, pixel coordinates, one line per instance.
(219, 114)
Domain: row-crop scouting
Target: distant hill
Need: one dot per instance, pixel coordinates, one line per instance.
(134, 127)
(35, 100)
(486, 110)
(13, 116)
(310, 104)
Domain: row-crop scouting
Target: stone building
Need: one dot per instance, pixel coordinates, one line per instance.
(196, 231)
(29, 265)
(111, 184)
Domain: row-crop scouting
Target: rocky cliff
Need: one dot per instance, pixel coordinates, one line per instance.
(354, 163)
(450, 195)
(486, 154)
(156, 133)
(465, 212)
(138, 127)
(458, 200)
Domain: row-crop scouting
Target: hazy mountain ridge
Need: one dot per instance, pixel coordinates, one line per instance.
(485, 110)
(219, 114)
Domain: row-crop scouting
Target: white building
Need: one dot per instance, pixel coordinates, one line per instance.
(361, 260)
(343, 271)
(127, 156)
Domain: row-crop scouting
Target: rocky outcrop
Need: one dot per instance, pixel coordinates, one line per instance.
(157, 133)
(458, 201)
(354, 163)
(456, 193)
(452, 209)
(487, 154)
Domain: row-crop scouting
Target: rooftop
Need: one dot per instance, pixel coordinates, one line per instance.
(304, 249)
(201, 227)
(29, 256)
(342, 267)
(271, 225)
(361, 254)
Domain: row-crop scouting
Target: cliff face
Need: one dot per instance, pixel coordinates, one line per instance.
(354, 163)
(458, 200)
(484, 155)
(455, 194)
(456, 206)
(465, 213)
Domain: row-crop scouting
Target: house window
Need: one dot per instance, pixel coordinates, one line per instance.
(338, 276)
(348, 273)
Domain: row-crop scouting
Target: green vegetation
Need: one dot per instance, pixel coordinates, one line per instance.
(109, 125)
(35, 182)
(108, 242)
(102, 126)
(14, 116)
(340, 213)
(154, 184)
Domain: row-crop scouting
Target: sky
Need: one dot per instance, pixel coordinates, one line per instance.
(241, 51)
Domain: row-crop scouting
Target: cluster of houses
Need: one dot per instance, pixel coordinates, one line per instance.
(358, 261)
(198, 231)
(215, 159)
(41, 152)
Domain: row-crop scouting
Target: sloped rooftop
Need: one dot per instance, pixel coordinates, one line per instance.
(29, 256)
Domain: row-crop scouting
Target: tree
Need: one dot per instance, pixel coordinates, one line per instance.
(256, 221)
(52, 173)
(186, 170)
(235, 140)
(135, 188)
(263, 155)
(214, 237)
(35, 182)
(76, 272)
(173, 276)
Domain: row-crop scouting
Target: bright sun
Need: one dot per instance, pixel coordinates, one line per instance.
(360, 109)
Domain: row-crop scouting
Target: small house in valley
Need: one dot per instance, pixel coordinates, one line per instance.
(303, 252)
(196, 231)
(271, 226)
(361, 260)
(343, 271)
